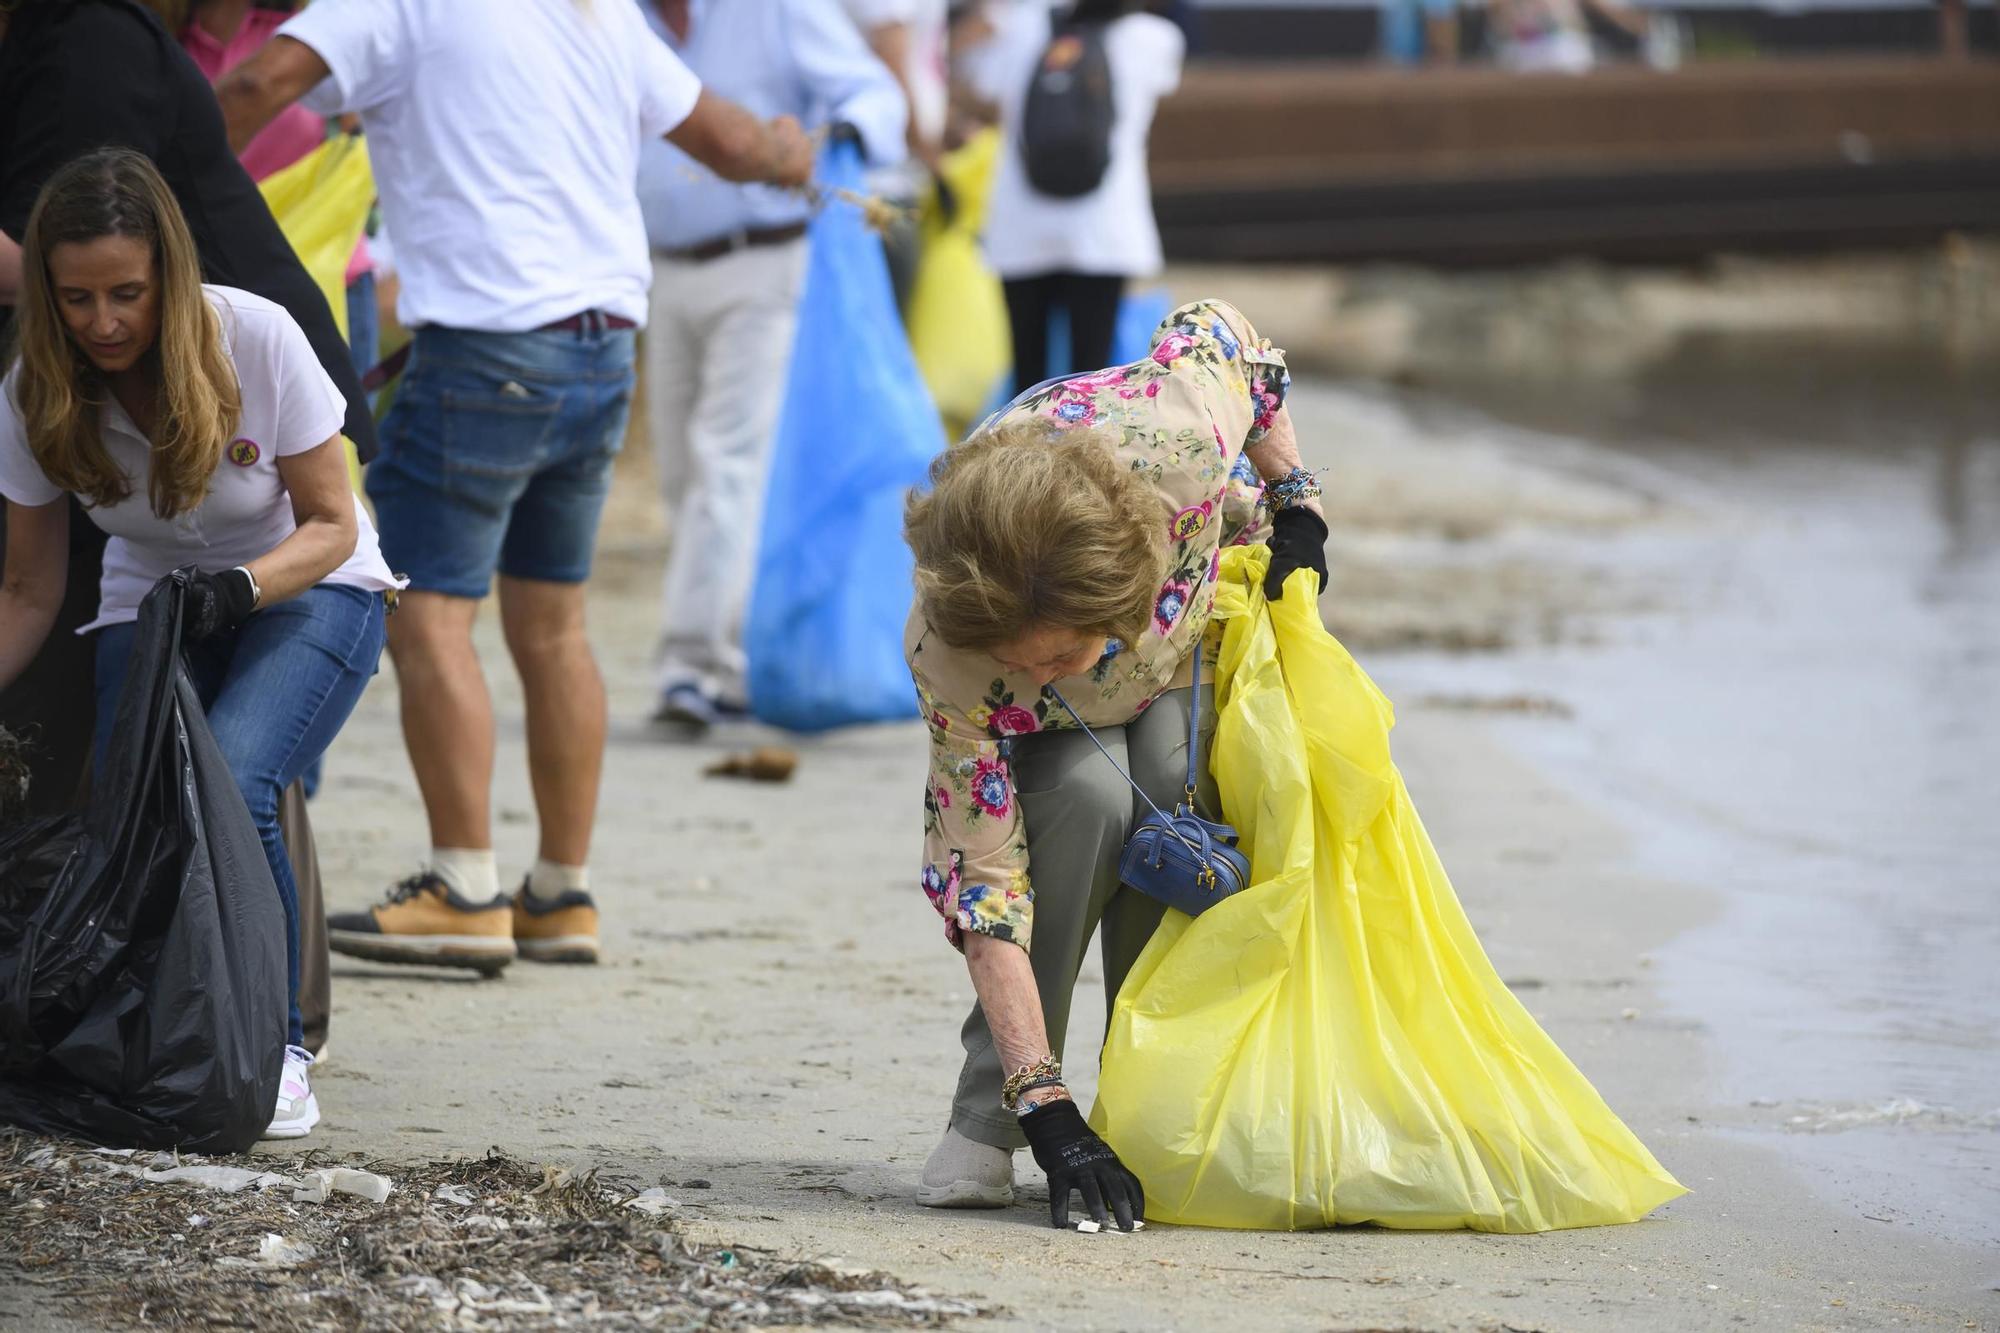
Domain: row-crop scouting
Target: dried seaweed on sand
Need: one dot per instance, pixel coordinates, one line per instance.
(494, 1243)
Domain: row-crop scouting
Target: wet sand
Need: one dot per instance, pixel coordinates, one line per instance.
(773, 1034)
(1829, 755)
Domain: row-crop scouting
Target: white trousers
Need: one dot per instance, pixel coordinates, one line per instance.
(718, 349)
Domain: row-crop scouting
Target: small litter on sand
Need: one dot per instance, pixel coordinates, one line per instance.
(278, 1252)
(490, 1244)
(653, 1202)
(319, 1186)
(227, 1179)
(766, 763)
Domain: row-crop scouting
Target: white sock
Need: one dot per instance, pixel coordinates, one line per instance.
(469, 872)
(549, 880)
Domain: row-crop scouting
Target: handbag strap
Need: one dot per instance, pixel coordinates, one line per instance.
(1194, 733)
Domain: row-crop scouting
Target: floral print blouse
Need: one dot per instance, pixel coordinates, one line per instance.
(1208, 389)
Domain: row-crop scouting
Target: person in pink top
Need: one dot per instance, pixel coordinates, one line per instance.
(221, 34)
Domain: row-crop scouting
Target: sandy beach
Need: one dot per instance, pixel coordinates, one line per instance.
(1622, 716)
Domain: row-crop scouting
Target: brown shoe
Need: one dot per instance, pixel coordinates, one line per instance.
(562, 931)
(422, 921)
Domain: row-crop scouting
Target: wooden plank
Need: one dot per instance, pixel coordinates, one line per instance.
(1318, 162)
(1251, 125)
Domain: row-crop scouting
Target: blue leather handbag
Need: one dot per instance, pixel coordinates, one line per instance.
(1187, 862)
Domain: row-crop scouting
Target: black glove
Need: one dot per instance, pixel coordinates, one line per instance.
(217, 602)
(1074, 1158)
(1298, 541)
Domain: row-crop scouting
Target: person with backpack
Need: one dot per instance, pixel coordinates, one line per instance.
(1071, 215)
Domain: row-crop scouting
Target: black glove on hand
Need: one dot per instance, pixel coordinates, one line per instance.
(217, 602)
(1074, 1158)
(1298, 541)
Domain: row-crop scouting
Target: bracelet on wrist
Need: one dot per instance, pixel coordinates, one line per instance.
(1043, 1072)
(250, 580)
(1293, 489)
(1036, 1096)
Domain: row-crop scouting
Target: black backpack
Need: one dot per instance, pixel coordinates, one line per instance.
(1066, 123)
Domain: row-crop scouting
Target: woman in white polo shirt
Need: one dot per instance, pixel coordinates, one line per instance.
(197, 428)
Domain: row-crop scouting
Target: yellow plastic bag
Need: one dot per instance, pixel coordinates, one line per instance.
(957, 318)
(1331, 1045)
(321, 203)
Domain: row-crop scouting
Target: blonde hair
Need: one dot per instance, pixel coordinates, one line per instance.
(116, 192)
(1028, 524)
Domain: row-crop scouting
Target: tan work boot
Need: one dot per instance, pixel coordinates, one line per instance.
(423, 921)
(561, 931)
(964, 1174)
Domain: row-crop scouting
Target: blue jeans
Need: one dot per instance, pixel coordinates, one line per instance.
(497, 454)
(277, 690)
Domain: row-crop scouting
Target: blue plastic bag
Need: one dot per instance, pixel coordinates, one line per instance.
(1140, 315)
(857, 430)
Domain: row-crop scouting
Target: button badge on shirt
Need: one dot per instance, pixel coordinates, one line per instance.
(244, 452)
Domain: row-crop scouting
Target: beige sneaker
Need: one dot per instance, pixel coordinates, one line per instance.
(965, 1174)
(423, 921)
(563, 931)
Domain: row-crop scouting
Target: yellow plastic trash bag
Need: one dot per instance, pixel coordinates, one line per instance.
(1331, 1045)
(957, 318)
(321, 203)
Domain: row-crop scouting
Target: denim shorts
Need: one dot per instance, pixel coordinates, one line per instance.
(497, 453)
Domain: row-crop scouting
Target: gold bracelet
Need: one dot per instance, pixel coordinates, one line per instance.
(1038, 1093)
(1010, 1091)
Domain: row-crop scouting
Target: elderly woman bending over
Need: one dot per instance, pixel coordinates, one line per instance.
(1071, 546)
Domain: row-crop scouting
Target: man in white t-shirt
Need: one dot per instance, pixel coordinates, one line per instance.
(505, 136)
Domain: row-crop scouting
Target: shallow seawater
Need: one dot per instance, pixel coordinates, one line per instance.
(1811, 732)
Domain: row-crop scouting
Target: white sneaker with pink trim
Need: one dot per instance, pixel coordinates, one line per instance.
(298, 1109)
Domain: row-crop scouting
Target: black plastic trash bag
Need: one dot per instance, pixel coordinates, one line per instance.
(142, 944)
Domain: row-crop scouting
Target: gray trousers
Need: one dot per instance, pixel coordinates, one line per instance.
(1078, 812)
